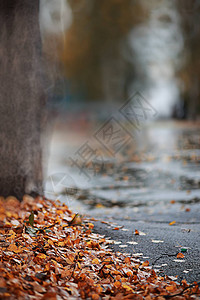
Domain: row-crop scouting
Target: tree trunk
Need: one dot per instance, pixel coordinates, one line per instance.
(21, 98)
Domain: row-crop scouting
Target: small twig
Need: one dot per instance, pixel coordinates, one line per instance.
(74, 218)
(45, 228)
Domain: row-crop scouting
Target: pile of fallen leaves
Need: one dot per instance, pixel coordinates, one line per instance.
(46, 252)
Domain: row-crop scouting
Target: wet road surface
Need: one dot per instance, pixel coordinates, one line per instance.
(153, 181)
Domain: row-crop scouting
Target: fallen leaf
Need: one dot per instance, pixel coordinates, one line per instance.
(136, 232)
(117, 284)
(95, 261)
(13, 248)
(145, 263)
(172, 223)
(70, 262)
(41, 256)
(171, 288)
(180, 255)
(90, 225)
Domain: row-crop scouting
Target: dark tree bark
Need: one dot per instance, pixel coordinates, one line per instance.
(21, 98)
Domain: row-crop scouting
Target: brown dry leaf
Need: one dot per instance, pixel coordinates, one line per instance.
(39, 288)
(171, 288)
(12, 247)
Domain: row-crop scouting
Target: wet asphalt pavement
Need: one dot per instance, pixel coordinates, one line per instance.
(151, 183)
(159, 242)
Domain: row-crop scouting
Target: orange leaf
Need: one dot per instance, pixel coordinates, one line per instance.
(136, 232)
(59, 212)
(12, 247)
(95, 297)
(117, 284)
(145, 263)
(19, 250)
(172, 223)
(61, 244)
(180, 255)
(127, 260)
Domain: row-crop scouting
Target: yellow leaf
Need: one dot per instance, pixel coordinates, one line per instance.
(50, 242)
(90, 225)
(41, 256)
(99, 205)
(95, 261)
(128, 288)
(8, 214)
(61, 244)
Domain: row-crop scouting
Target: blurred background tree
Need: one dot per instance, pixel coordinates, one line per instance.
(111, 48)
(190, 71)
(94, 55)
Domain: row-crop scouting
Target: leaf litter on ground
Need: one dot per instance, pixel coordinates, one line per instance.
(47, 252)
